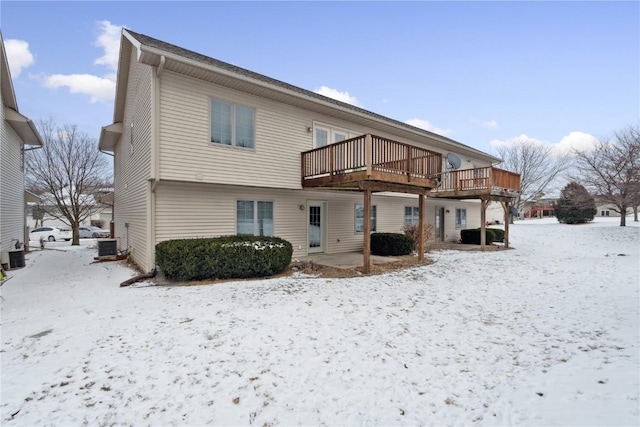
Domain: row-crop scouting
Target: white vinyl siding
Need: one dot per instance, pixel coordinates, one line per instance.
(194, 210)
(132, 167)
(282, 132)
(12, 186)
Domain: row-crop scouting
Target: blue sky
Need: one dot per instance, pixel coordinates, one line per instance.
(482, 73)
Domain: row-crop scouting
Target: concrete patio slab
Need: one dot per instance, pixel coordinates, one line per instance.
(345, 260)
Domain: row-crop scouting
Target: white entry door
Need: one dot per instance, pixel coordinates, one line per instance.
(316, 226)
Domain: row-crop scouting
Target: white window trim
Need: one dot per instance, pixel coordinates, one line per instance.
(233, 125)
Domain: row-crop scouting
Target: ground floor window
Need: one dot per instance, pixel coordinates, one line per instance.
(254, 217)
(411, 215)
(461, 218)
(605, 213)
(360, 218)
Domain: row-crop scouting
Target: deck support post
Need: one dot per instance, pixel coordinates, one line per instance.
(483, 222)
(421, 227)
(366, 266)
(368, 153)
(507, 220)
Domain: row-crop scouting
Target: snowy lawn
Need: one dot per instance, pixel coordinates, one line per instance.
(545, 334)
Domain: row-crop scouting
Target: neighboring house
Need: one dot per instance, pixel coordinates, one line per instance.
(16, 132)
(605, 209)
(204, 148)
(541, 208)
(39, 213)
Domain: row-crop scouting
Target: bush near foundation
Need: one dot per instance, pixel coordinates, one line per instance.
(498, 234)
(391, 244)
(472, 236)
(223, 257)
(413, 231)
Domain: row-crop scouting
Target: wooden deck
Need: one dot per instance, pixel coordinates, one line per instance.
(477, 183)
(370, 162)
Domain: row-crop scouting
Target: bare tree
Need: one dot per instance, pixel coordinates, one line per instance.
(537, 164)
(611, 171)
(66, 173)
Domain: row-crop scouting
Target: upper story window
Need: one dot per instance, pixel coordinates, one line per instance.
(325, 134)
(232, 124)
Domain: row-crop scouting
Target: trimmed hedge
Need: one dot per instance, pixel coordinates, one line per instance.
(391, 244)
(223, 257)
(498, 234)
(472, 236)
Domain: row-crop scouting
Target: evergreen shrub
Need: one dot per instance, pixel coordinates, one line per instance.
(223, 257)
(391, 244)
(498, 234)
(575, 205)
(472, 236)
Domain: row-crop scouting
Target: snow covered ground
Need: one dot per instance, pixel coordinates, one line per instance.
(545, 334)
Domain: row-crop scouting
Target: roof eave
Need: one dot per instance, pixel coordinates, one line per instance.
(151, 55)
(109, 136)
(24, 127)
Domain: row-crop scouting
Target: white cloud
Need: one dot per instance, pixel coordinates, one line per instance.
(337, 95)
(109, 40)
(426, 125)
(98, 88)
(18, 56)
(491, 124)
(516, 140)
(574, 140)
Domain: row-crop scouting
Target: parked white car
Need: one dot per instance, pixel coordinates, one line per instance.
(91, 231)
(51, 234)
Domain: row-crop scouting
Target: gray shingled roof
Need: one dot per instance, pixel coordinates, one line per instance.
(176, 50)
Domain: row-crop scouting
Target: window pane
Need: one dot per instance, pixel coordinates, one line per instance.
(322, 137)
(373, 217)
(245, 126)
(411, 215)
(360, 218)
(315, 223)
(339, 136)
(461, 218)
(244, 217)
(265, 218)
(220, 122)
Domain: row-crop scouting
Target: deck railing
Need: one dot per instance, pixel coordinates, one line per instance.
(479, 179)
(370, 153)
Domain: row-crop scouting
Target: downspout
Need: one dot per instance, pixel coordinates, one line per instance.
(155, 148)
